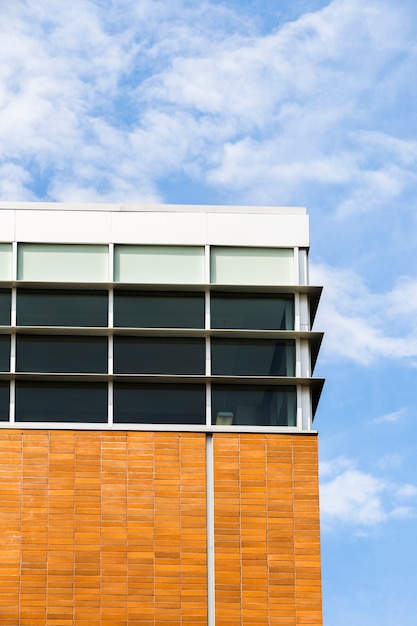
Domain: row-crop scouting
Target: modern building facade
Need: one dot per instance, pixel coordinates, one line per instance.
(159, 460)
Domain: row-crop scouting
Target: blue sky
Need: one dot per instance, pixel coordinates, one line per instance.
(304, 103)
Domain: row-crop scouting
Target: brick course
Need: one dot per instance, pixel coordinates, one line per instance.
(109, 528)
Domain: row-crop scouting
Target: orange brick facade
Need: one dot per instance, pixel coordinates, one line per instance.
(267, 536)
(110, 528)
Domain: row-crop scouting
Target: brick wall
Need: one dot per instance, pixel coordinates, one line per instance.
(109, 528)
(267, 537)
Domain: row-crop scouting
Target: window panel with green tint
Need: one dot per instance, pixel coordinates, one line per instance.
(251, 357)
(159, 404)
(6, 261)
(61, 402)
(158, 310)
(252, 266)
(4, 400)
(153, 355)
(253, 405)
(252, 311)
(62, 262)
(4, 353)
(159, 264)
(5, 304)
(69, 354)
(49, 307)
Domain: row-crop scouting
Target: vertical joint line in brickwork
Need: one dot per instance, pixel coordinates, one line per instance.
(210, 529)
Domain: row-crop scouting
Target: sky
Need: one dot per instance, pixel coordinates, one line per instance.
(261, 102)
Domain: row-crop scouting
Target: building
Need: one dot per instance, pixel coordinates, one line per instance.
(158, 457)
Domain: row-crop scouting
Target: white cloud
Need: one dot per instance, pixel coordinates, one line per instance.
(353, 497)
(362, 325)
(390, 461)
(406, 491)
(392, 417)
(103, 100)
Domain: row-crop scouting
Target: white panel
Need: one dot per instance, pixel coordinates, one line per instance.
(6, 225)
(62, 263)
(159, 228)
(303, 267)
(307, 417)
(257, 229)
(252, 266)
(159, 264)
(5, 261)
(63, 226)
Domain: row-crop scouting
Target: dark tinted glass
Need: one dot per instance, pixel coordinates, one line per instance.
(4, 400)
(253, 406)
(159, 404)
(158, 310)
(252, 357)
(4, 353)
(61, 402)
(71, 354)
(5, 300)
(61, 308)
(258, 310)
(149, 355)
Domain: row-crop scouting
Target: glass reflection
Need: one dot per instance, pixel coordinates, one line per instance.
(142, 309)
(159, 404)
(4, 400)
(5, 305)
(149, 355)
(239, 357)
(61, 402)
(49, 307)
(4, 353)
(252, 311)
(253, 405)
(68, 354)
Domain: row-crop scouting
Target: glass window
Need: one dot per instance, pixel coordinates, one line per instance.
(61, 402)
(62, 262)
(154, 355)
(143, 309)
(49, 307)
(251, 357)
(252, 266)
(5, 261)
(70, 354)
(5, 302)
(4, 353)
(253, 406)
(258, 311)
(159, 404)
(159, 264)
(4, 400)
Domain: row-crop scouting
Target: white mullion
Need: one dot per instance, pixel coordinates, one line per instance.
(208, 404)
(110, 361)
(207, 264)
(296, 311)
(14, 260)
(12, 403)
(207, 325)
(111, 263)
(110, 382)
(305, 401)
(210, 530)
(303, 267)
(305, 358)
(296, 268)
(299, 408)
(110, 400)
(298, 358)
